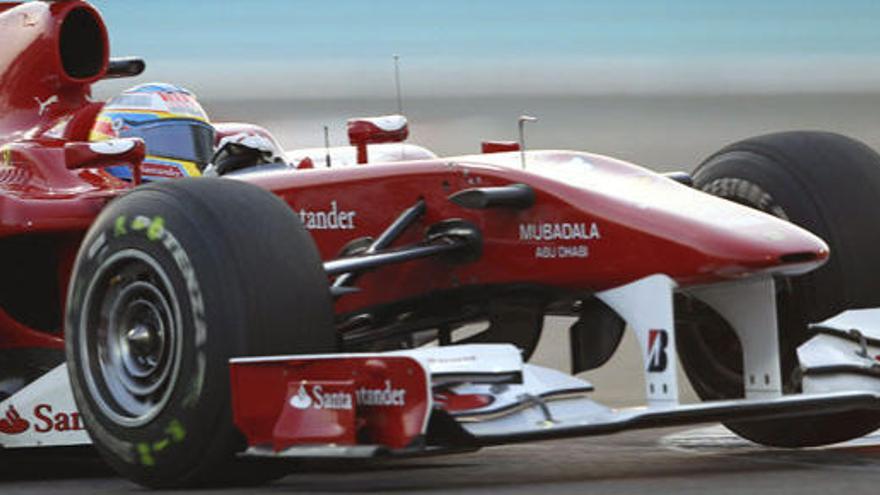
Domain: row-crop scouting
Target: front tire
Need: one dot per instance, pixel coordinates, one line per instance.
(825, 183)
(171, 281)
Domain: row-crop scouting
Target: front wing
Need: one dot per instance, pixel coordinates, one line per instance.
(432, 400)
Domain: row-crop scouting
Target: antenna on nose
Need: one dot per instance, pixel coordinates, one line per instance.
(327, 146)
(521, 122)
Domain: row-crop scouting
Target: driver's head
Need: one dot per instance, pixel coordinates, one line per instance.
(174, 127)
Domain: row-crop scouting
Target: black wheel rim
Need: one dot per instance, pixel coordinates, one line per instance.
(130, 338)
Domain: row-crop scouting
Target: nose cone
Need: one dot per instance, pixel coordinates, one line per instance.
(688, 234)
(766, 244)
(732, 240)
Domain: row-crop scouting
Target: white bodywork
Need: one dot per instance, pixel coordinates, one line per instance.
(42, 414)
(346, 156)
(467, 359)
(646, 305)
(845, 354)
(749, 306)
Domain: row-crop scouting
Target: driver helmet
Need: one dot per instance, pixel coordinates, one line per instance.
(178, 135)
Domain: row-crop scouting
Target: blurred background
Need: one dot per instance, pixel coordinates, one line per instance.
(659, 83)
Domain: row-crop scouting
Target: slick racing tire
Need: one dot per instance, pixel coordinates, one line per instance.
(826, 183)
(171, 281)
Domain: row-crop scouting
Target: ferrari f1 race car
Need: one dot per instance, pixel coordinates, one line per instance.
(212, 330)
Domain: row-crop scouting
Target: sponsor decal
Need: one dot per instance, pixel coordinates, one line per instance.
(155, 230)
(547, 252)
(451, 360)
(387, 396)
(155, 227)
(181, 103)
(44, 419)
(302, 399)
(329, 219)
(658, 340)
(147, 452)
(320, 399)
(47, 420)
(176, 97)
(158, 170)
(45, 104)
(119, 125)
(317, 397)
(560, 231)
(13, 424)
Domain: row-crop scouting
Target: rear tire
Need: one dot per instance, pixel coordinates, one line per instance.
(823, 182)
(171, 281)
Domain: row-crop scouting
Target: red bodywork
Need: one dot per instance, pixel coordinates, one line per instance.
(379, 400)
(596, 222)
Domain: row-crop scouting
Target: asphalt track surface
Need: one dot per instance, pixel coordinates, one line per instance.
(698, 459)
(635, 462)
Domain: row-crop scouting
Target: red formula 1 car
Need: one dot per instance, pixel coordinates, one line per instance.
(200, 330)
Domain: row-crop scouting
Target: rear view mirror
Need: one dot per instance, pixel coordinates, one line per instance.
(499, 146)
(376, 130)
(124, 151)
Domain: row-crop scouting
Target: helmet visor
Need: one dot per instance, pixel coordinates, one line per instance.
(185, 140)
